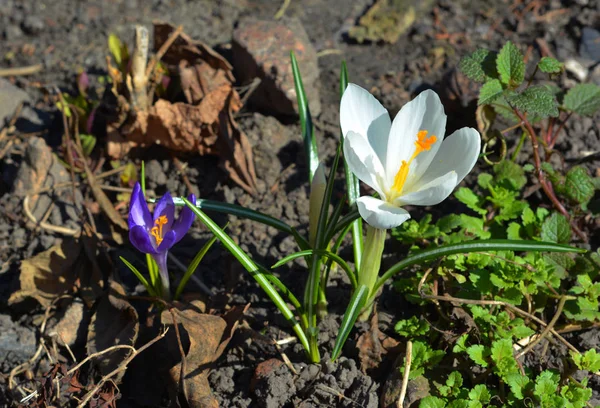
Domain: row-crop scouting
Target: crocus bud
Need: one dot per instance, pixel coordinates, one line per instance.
(317, 192)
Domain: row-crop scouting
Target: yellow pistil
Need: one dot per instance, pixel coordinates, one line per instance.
(422, 144)
(157, 231)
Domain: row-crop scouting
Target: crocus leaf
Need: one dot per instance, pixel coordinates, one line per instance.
(254, 271)
(474, 246)
(242, 212)
(357, 302)
(193, 265)
(138, 275)
(308, 132)
(328, 254)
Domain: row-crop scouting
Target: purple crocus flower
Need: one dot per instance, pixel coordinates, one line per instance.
(156, 234)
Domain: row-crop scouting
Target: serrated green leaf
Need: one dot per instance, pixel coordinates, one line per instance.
(412, 327)
(502, 355)
(460, 345)
(510, 65)
(479, 66)
(513, 231)
(480, 393)
(556, 228)
(477, 353)
(432, 402)
(470, 199)
(579, 185)
(550, 65)
(583, 99)
(448, 223)
(536, 100)
(546, 384)
(508, 172)
(489, 92)
(517, 383)
(589, 361)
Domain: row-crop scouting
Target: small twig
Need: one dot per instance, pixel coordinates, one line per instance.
(183, 368)
(181, 170)
(408, 359)
(281, 12)
(542, 177)
(121, 367)
(45, 225)
(162, 50)
(98, 354)
(21, 71)
(547, 330)
(448, 298)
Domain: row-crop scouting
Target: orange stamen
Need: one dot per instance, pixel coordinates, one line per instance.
(423, 143)
(157, 231)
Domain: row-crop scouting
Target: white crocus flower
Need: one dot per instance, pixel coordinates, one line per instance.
(407, 162)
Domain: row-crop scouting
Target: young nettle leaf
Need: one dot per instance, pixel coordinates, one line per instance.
(489, 92)
(510, 65)
(546, 385)
(412, 327)
(478, 353)
(588, 361)
(460, 346)
(508, 172)
(579, 185)
(556, 228)
(481, 394)
(583, 99)
(470, 199)
(479, 66)
(550, 65)
(503, 358)
(518, 384)
(537, 100)
(432, 402)
(423, 357)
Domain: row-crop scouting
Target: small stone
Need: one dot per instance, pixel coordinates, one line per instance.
(155, 176)
(33, 120)
(12, 32)
(261, 49)
(33, 25)
(17, 343)
(590, 44)
(576, 68)
(10, 99)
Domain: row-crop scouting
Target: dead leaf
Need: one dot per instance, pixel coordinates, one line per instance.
(205, 124)
(373, 345)
(71, 326)
(204, 337)
(48, 274)
(114, 323)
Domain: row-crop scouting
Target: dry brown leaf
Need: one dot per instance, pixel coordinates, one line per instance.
(204, 337)
(115, 322)
(205, 124)
(373, 345)
(49, 274)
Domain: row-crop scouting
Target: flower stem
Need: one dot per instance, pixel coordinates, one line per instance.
(163, 271)
(370, 264)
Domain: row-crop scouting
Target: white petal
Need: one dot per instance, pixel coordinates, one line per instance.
(362, 161)
(360, 112)
(425, 112)
(380, 214)
(431, 193)
(459, 153)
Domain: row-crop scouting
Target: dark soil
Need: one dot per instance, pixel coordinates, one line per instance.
(68, 37)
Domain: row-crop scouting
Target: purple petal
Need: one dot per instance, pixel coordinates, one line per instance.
(166, 207)
(185, 220)
(139, 214)
(167, 242)
(140, 239)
